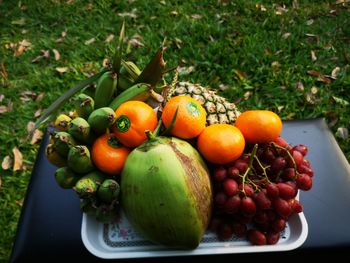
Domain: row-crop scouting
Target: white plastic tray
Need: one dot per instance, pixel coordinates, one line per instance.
(115, 241)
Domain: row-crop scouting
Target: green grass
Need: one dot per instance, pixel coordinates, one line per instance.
(219, 40)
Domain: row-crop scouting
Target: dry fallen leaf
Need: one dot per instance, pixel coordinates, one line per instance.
(295, 4)
(28, 95)
(174, 13)
(19, 22)
(30, 126)
(286, 35)
(309, 22)
(313, 55)
(57, 54)
(38, 112)
(320, 76)
(2, 97)
(7, 108)
(196, 16)
(40, 97)
(131, 14)
(90, 41)
(335, 71)
(300, 86)
(342, 133)
(109, 38)
(61, 69)
(3, 71)
(44, 54)
(18, 159)
(3, 109)
(37, 136)
(6, 163)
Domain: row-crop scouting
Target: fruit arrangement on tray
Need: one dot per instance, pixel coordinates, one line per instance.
(177, 158)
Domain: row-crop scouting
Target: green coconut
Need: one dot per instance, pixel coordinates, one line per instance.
(166, 192)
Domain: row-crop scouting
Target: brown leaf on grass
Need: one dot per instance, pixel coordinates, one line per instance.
(2, 97)
(300, 86)
(196, 16)
(60, 39)
(6, 163)
(30, 126)
(40, 97)
(342, 133)
(286, 35)
(56, 54)
(135, 41)
(109, 38)
(290, 116)
(174, 13)
(90, 41)
(260, 7)
(131, 14)
(18, 159)
(309, 22)
(313, 55)
(3, 71)
(38, 112)
(320, 76)
(37, 136)
(178, 42)
(27, 96)
(280, 10)
(19, 22)
(3, 109)
(240, 74)
(7, 108)
(61, 69)
(45, 54)
(21, 47)
(335, 72)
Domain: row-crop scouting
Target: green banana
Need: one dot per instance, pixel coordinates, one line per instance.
(87, 186)
(80, 129)
(101, 119)
(54, 157)
(62, 122)
(62, 142)
(79, 159)
(108, 191)
(66, 178)
(140, 91)
(105, 89)
(84, 105)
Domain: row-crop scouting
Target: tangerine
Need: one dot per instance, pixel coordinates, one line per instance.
(259, 126)
(108, 154)
(190, 119)
(221, 143)
(133, 118)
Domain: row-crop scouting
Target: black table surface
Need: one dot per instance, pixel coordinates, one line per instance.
(49, 228)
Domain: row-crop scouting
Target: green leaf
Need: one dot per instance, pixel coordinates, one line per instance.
(153, 72)
(119, 50)
(172, 123)
(62, 99)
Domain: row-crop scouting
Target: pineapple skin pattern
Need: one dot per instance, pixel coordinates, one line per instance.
(218, 109)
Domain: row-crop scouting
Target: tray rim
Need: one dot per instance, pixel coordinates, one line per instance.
(226, 248)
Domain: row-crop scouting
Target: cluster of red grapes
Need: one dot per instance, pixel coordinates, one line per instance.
(255, 195)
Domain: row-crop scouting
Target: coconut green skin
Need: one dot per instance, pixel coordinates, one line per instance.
(166, 192)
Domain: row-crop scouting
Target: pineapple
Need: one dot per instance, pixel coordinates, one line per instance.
(218, 109)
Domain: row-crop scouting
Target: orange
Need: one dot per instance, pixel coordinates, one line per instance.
(221, 143)
(190, 120)
(259, 126)
(108, 154)
(133, 118)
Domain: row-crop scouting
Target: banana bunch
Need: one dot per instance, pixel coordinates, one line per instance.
(92, 115)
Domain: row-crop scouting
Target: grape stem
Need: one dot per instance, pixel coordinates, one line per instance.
(288, 153)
